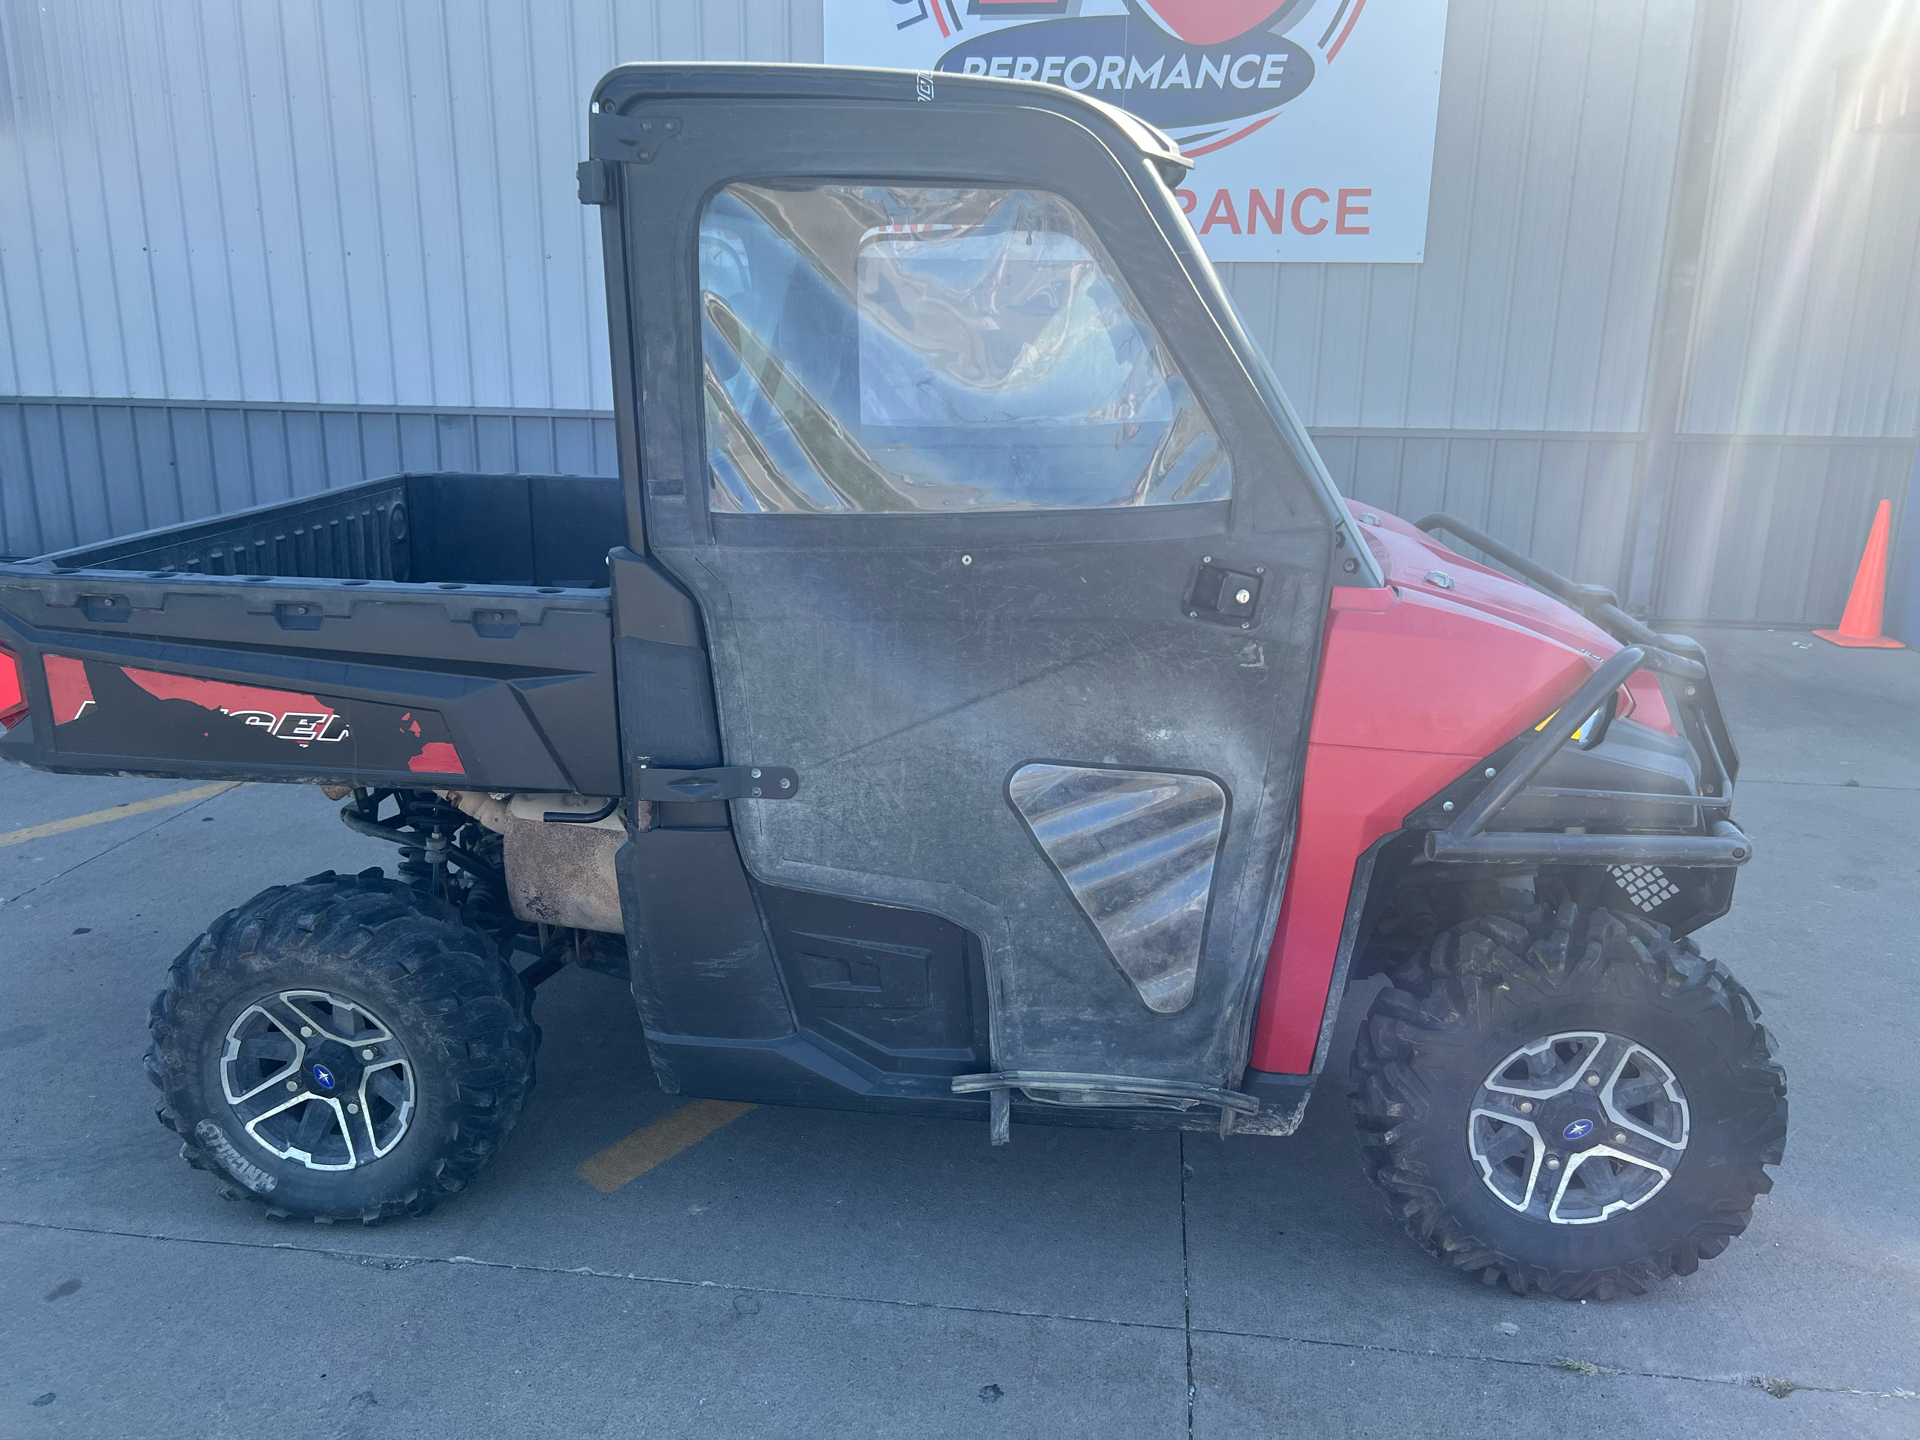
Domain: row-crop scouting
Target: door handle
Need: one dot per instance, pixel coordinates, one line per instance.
(1225, 596)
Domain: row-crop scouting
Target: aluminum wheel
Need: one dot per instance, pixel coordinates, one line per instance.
(318, 1079)
(1577, 1127)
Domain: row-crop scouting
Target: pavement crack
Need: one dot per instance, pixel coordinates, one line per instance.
(1558, 1364)
(1186, 1282)
(1566, 1365)
(1746, 780)
(374, 1260)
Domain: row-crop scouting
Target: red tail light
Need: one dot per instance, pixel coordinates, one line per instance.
(13, 691)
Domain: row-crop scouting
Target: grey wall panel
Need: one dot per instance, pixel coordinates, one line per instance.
(354, 203)
(1810, 318)
(1533, 309)
(1561, 496)
(1772, 528)
(252, 248)
(372, 204)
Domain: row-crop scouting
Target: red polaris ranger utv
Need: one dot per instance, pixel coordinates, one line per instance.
(972, 699)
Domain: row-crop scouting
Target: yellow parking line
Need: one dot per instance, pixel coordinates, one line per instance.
(627, 1160)
(117, 812)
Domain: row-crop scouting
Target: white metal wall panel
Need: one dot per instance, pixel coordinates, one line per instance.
(1772, 527)
(1810, 321)
(254, 247)
(362, 203)
(1533, 311)
(373, 204)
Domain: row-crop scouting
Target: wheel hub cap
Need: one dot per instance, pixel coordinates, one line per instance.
(318, 1079)
(1577, 1127)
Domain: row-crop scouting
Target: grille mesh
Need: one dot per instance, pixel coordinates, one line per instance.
(1646, 885)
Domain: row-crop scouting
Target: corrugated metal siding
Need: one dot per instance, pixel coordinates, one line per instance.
(251, 247)
(1534, 308)
(1810, 314)
(1560, 496)
(343, 203)
(1771, 528)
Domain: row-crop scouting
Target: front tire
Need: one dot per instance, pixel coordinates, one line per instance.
(342, 1049)
(1568, 1100)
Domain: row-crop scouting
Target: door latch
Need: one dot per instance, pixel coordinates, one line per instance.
(1225, 596)
(724, 782)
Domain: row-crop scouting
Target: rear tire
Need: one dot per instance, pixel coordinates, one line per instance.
(381, 1049)
(1506, 1007)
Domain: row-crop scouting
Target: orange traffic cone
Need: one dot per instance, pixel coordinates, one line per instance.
(1860, 626)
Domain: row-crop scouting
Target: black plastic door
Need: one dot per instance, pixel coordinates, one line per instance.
(996, 538)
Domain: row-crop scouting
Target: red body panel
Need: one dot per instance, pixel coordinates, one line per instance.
(1417, 683)
(13, 691)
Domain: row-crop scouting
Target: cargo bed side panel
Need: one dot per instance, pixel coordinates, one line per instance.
(341, 681)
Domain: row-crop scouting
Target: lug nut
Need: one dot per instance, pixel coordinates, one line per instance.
(306, 1031)
(1619, 1137)
(1526, 1107)
(1593, 1079)
(293, 1084)
(1553, 1162)
(353, 1107)
(366, 1054)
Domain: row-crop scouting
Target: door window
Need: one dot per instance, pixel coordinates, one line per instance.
(903, 349)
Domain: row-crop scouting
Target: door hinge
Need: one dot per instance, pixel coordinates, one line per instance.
(725, 782)
(629, 137)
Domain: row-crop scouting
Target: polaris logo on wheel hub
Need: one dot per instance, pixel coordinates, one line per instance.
(1578, 1130)
(323, 1077)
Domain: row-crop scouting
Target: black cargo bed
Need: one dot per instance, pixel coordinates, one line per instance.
(423, 629)
(552, 530)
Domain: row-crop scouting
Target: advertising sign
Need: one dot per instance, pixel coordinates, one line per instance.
(1311, 121)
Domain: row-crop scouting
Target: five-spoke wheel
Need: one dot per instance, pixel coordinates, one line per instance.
(1576, 1127)
(317, 1079)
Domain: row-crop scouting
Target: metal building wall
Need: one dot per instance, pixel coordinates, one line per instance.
(1804, 385)
(250, 249)
(1503, 378)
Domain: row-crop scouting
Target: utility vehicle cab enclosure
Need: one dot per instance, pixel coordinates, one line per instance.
(986, 707)
(1008, 561)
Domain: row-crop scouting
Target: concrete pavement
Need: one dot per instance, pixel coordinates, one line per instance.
(810, 1272)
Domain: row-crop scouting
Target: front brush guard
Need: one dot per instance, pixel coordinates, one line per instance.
(1469, 840)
